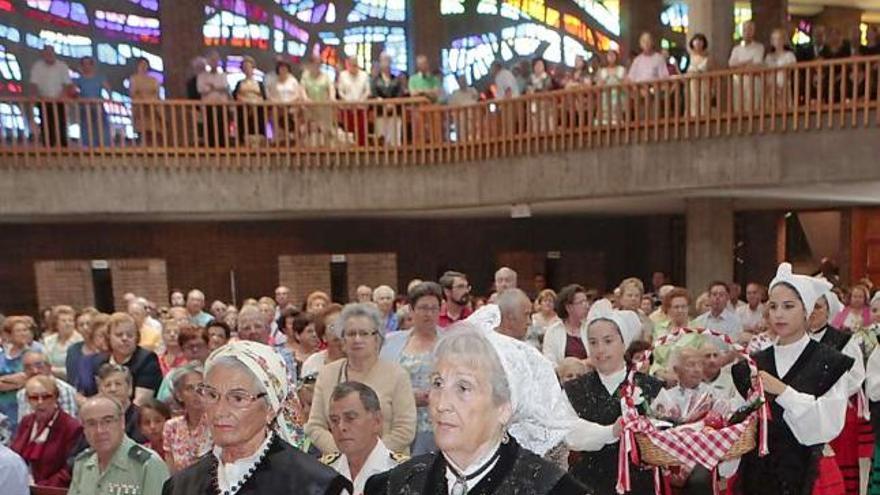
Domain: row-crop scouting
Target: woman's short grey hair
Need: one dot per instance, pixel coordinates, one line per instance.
(180, 373)
(233, 362)
(465, 344)
(361, 310)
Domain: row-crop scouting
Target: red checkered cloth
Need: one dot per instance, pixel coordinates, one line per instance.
(692, 446)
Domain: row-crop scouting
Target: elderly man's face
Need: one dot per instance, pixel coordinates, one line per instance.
(749, 31)
(712, 360)
(218, 309)
(252, 326)
(355, 430)
(237, 422)
(282, 296)
(690, 371)
(35, 364)
(718, 299)
(384, 301)
(103, 425)
(364, 294)
(753, 295)
(195, 302)
(504, 280)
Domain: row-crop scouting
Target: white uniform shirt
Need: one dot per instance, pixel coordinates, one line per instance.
(13, 473)
(50, 80)
(380, 460)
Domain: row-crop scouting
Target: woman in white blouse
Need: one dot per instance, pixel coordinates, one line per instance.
(699, 88)
(778, 57)
(806, 387)
(353, 84)
(284, 89)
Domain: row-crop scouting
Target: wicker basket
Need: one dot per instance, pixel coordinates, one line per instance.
(652, 455)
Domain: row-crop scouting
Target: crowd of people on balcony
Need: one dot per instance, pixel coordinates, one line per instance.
(258, 396)
(316, 110)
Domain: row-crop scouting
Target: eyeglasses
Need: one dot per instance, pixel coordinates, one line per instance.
(461, 286)
(353, 334)
(40, 397)
(236, 398)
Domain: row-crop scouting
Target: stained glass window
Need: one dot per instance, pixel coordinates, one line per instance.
(329, 29)
(115, 32)
(527, 29)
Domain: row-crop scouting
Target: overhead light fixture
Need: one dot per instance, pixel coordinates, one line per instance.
(520, 210)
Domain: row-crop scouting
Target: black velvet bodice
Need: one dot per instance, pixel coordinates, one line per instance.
(592, 402)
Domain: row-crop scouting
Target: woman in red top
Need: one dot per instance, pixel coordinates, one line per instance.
(45, 437)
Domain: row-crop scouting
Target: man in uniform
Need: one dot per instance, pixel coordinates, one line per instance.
(356, 423)
(113, 464)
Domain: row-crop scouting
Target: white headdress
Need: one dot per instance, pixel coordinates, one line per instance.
(627, 322)
(808, 288)
(834, 304)
(542, 415)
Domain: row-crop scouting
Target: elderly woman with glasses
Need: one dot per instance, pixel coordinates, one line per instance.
(471, 408)
(245, 394)
(45, 437)
(360, 327)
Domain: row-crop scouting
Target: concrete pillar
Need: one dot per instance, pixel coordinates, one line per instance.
(427, 30)
(709, 242)
(181, 42)
(769, 15)
(637, 16)
(714, 19)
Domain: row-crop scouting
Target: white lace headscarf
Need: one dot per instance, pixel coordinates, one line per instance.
(542, 416)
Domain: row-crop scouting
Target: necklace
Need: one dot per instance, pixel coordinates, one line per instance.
(460, 486)
(234, 488)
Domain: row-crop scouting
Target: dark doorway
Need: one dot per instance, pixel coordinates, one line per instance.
(102, 284)
(339, 281)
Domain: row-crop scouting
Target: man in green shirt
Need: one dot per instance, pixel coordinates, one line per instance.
(114, 464)
(424, 82)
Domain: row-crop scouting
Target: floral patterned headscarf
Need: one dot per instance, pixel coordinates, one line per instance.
(269, 368)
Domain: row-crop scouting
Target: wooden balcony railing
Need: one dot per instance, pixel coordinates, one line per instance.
(832, 94)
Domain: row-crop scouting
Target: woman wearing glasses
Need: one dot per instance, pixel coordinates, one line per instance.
(414, 351)
(186, 437)
(245, 397)
(359, 326)
(45, 437)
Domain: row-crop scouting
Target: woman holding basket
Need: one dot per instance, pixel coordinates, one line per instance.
(803, 383)
(596, 397)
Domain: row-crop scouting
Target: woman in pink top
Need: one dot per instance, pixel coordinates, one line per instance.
(857, 314)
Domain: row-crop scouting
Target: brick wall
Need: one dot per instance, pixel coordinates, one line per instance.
(64, 282)
(202, 254)
(144, 277)
(371, 269)
(304, 274)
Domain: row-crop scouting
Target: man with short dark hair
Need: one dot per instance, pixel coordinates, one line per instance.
(720, 316)
(457, 295)
(356, 424)
(113, 463)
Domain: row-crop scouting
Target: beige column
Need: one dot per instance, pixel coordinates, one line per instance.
(637, 16)
(769, 15)
(713, 18)
(710, 238)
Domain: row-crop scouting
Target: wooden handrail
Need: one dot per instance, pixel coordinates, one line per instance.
(827, 94)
